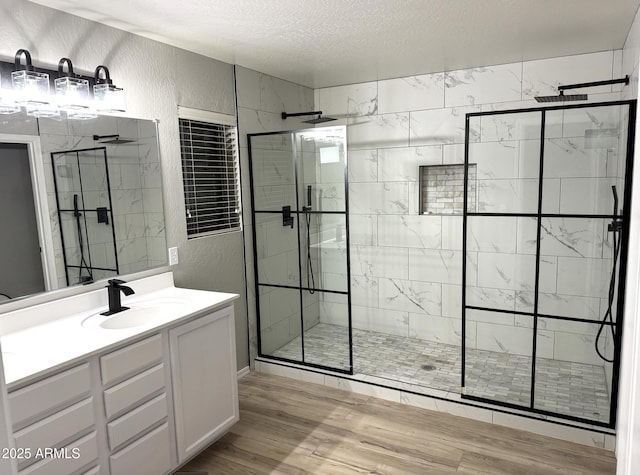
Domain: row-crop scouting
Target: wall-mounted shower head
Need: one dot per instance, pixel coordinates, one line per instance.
(317, 120)
(112, 139)
(561, 97)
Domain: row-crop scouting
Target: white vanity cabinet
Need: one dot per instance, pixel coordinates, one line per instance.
(143, 407)
(203, 371)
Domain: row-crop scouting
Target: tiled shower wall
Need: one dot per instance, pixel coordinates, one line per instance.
(406, 268)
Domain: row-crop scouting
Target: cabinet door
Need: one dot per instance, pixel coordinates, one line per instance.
(204, 378)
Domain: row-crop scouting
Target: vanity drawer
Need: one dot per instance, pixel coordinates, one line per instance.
(85, 449)
(129, 392)
(56, 428)
(131, 359)
(132, 423)
(40, 399)
(150, 455)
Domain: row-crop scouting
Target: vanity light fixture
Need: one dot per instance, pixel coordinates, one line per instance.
(72, 93)
(32, 88)
(109, 98)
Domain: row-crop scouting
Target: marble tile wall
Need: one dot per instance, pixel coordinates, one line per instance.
(406, 268)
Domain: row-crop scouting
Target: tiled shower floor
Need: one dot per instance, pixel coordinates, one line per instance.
(563, 387)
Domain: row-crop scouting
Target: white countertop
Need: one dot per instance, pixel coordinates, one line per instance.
(29, 352)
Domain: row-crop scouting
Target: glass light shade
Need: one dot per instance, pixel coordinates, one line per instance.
(109, 98)
(31, 87)
(72, 93)
(32, 92)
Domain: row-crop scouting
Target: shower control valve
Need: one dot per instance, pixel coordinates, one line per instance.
(615, 225)
(287, 219)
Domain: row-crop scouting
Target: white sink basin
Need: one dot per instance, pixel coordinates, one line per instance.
(139, 314)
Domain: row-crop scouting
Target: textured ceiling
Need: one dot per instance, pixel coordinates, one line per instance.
(322, 43)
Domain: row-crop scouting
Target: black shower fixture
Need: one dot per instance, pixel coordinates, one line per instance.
(112, 139)
(562, 97)
(317, 120)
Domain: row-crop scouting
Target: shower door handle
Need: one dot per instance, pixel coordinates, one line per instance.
(287, 219)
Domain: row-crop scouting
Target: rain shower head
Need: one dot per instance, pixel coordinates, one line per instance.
(562, 97)
(112, 139)
(317, 120)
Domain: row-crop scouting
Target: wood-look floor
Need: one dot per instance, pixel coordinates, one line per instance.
(287, 426)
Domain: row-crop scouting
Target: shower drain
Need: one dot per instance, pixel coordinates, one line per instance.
(428, 367)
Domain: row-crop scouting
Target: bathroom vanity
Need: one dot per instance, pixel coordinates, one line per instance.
(139, 392)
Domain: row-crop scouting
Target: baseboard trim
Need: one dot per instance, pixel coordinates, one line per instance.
(243, 372)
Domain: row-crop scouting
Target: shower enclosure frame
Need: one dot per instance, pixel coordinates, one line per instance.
(296, 213)
(626, 215)
(84, 211)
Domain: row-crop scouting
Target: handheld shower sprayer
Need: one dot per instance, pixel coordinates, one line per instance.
(615, 227)
(311, 282)
(76, 212)
(616, 224)
(83, 262)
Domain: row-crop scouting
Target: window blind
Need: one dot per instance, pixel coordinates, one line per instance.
(210, 176)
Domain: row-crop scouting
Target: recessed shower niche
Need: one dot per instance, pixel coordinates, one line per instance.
(442, 189)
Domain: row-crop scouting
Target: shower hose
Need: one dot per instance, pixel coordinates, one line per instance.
(311, 282)
(607, 319)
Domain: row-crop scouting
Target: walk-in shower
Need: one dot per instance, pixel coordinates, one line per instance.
(300, 215)
(523, 306)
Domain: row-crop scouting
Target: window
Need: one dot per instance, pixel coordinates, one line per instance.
(209, 151)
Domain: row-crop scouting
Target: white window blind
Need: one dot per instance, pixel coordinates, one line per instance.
(210, 176)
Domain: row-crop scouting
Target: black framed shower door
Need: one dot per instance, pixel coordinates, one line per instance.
(300, 230)
(539, 251)
(85, 214)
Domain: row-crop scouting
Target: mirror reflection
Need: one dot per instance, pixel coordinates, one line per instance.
(80, 201)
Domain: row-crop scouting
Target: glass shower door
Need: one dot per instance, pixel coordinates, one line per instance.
(500, 260)
(322, 230)
(545, 258)
(85, 214)
(298, 192)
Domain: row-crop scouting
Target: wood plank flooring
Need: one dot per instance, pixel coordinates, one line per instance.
(291, 427)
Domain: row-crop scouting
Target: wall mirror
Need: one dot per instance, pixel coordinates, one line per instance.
(80, 201)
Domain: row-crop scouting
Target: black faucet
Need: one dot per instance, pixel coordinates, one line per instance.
(114, 288)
